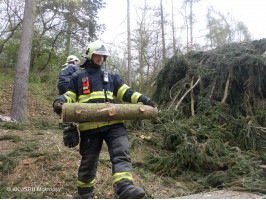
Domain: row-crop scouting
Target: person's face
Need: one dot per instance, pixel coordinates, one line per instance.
(97, 59)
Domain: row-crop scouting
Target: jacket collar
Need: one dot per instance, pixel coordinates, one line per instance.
(91, 67)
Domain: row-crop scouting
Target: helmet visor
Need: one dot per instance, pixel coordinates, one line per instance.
(102, 51)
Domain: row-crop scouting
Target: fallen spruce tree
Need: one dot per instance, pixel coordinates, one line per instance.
(213, 120)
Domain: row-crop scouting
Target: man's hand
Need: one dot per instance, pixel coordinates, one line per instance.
(146, 101)
(151, 103)
(71, 136)
(58, 102)
(57, 107)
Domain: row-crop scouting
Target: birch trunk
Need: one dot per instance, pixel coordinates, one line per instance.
(19, 98)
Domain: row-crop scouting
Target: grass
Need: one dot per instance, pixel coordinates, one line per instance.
(14, 138)
(41, 160)
(11, 125)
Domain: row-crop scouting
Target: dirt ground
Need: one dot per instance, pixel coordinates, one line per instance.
(224, 194)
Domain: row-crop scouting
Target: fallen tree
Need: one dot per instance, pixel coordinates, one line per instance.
(85, 112)
(234, 74)
(213, 121)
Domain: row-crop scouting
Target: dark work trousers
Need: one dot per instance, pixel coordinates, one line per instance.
(117, 141)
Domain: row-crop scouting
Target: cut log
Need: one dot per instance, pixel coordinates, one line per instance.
(86, 112)
(263, 167)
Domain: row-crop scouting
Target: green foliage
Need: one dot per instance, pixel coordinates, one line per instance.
(14, 138)
(9, 55)
(43, 124)
(212, 145)
(223, 144)
(7, 164)
(58, 167)
(12, 125)
(29, 147)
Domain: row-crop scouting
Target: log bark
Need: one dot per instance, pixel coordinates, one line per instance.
(86, 112)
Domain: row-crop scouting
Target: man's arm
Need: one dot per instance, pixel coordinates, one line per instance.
(125, 93)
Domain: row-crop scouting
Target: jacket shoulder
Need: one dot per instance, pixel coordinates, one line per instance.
(111, 72)
(77, 73)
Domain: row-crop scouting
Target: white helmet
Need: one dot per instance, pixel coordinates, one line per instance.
(72, 58)
(98, 48)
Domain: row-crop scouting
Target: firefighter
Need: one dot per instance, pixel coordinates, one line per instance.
(69, 68)
(95, 85)
(64, 76)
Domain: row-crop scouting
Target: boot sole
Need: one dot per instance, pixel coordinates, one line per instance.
(140, 194)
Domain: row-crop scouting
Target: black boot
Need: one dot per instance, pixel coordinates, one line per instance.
(86, 196)
(131, 192)
(85, 193)
(125, 189)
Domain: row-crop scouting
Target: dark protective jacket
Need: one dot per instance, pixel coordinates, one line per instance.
(64, 77)
(87, 86)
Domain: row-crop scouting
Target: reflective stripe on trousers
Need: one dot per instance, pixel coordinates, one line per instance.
(123, 175)
(84, 185)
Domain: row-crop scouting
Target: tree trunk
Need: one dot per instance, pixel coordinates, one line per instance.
(68, 38)
(85, 112)
(141, 60)
(162, 27)
(19, 98)
(129, 43)
(191, 25)
(173, 29)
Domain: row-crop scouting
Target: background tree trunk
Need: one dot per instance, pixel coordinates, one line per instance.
(191, 25)
(19, 98)
(68, 37)
(128, 43)
(141, 60)
(173, 29)
(162, 27)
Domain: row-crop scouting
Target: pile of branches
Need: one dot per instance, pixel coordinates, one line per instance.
(213, 122)
(234, 74)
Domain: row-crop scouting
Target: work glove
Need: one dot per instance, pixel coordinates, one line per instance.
(71, 136)
(57, 105)
(151, 103)
(147, 101)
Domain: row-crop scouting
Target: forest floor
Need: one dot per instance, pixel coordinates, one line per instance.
(44, 168)
(35, 164)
